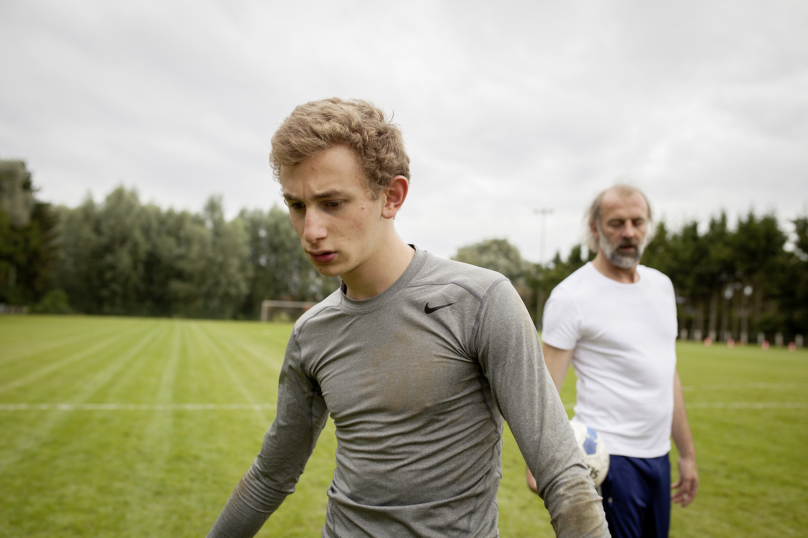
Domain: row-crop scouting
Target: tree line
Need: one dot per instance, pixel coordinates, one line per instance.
(120, 256)
(123, 257)
(731, 282)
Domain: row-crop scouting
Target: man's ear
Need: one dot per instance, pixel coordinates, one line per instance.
(394, 196)
(594, 230)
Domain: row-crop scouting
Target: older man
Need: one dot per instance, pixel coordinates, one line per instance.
(615, 321)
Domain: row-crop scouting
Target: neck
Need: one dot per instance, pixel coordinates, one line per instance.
(380, 272)
(609, 270)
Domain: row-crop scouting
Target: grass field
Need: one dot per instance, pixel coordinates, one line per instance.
(142, 427)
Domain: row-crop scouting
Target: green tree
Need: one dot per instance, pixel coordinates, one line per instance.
(718, 269)
(160, 261)
(120, 253)
(495, 254)
(758, 259)
(212, 262)
(121, 257)
(226, 273)
(103, 252)
(76, 273)
(16, 192)
(791, 282)
(28, 247)
(501, 256)
(280, 268)
(691, 276)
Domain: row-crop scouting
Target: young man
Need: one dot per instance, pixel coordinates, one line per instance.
(418, 360)
(615, 321)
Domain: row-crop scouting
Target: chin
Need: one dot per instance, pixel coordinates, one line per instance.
(330, 269)
(327, 270)
(622, 261)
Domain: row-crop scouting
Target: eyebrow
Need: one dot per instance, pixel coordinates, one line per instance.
(319, 196)
(624, 219)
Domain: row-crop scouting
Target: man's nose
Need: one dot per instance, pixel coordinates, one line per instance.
(314, 229)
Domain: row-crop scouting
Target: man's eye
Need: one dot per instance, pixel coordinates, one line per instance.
(295, 206)
(333, 204)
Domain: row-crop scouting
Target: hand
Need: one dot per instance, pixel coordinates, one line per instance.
(688, 483)
(531, 482)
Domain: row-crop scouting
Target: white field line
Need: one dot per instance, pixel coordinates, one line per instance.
(131, 407)
(216, 347)
(748, 405)
(732, 405)
(747, 386)
(264, 407)
(740, 405)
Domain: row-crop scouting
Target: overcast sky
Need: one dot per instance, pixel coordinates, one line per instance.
(506, 107)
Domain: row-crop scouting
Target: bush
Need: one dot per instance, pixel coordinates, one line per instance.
(54, 302)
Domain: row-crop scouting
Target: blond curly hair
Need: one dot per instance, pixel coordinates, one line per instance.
(319, 125)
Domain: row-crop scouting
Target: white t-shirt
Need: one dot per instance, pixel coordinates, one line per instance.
(624, 336)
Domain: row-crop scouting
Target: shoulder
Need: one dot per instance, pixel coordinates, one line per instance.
(570, 299)
(478, 281)
(332, 301)
(655, 278)
(653, 274)
(578, 283)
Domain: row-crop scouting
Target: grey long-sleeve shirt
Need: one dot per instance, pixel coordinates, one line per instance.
(418, 381)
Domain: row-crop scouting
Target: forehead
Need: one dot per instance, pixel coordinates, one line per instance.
(336, 168)
(616, 205)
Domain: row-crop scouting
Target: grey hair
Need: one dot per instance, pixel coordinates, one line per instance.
(592, 216)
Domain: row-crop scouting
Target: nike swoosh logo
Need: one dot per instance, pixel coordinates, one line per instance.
(429, 310)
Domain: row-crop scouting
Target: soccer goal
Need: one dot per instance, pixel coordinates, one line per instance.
(290, 310)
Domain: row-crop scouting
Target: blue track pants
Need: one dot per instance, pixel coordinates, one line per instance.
(637, 498)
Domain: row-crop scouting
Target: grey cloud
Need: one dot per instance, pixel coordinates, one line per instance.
(504, 110)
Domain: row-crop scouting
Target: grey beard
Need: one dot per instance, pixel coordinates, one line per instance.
(619, 260)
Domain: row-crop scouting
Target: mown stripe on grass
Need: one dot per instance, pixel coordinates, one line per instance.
(224, 361)
(118, 363)
(264, 363)
(748, 405)
(266, 406)
(747, 386)
(36, 346)
(73, 358)
(156, 439)
(134, 407)
(735, 405)
(43, 428)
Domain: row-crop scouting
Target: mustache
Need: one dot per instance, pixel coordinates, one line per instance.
(628, 242)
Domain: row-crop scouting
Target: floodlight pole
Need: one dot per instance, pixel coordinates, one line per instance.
(544, 211)
(747, 291)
